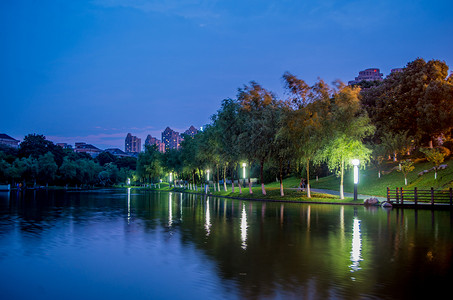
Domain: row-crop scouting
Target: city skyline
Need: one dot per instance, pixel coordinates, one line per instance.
(94, 71)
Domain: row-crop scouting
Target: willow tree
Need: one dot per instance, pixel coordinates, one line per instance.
(149, 164)
(347, 126)
(303, 121)
(229, 125)
(259, 128)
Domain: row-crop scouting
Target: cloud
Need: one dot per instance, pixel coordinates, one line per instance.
(190, 9)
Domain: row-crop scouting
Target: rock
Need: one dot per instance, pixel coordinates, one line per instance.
(386, 204)
(371, 201)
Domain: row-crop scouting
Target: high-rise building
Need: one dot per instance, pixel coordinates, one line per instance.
(171, 139)
(153, 141)
(132, 144)
(367, 75)
(192, 131)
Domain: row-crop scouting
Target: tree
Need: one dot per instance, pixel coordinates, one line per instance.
(435, 156)
(303, 120)
(378, 154)
(397, 143)
(105, 158)
(149, 164)
(346, 128)
(282, 148)
(418, 100)
(258, 112)
(47, 168)
(35, 145)
(407, 166)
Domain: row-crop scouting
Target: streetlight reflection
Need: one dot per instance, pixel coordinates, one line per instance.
(207, 224)
(244, 228)
(128, 205)
(170, 212)
(356, 252)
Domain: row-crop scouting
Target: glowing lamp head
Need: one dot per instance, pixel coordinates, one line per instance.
(356, 162)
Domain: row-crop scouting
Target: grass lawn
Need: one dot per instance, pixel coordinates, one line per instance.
(369, 184)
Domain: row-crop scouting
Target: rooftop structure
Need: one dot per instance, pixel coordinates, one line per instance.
(367, 75)
(117, 152)
(8, 141)
(81, 147)
(64, 145)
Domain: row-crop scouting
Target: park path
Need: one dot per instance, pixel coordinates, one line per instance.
(337, 193)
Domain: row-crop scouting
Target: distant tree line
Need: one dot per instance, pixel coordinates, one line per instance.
(38, 161)
(314, 126)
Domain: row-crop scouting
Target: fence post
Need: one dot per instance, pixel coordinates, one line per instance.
(432, 195)
(402, 196)
(397, 197)
(451, 196)
(415, 196)
(388, 195)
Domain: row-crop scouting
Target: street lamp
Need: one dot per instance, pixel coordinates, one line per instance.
(243, 170)
(356, 163)
(207, 171)
(171, 174)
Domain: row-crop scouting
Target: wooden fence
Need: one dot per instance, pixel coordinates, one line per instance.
(417, 196)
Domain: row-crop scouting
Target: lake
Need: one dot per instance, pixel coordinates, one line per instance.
(137, 244)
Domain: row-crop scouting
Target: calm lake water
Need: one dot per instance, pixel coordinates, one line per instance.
(135, 244)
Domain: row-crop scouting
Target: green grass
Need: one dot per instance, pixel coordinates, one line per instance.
(371, 184)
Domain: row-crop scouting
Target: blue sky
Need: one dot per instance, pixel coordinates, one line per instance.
(95, 70)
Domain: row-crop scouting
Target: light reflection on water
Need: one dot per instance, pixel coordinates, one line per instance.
(244, 228)
(136, 244)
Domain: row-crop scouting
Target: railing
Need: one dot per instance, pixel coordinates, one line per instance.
(415, 196)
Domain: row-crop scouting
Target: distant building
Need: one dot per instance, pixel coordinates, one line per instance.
(81, 147)
(372, 74)
(64, 145)
(171, 139)
(192, 131)
(396, 70)
(132, 144)
(117, 152)
(154, 141)
(8, 141)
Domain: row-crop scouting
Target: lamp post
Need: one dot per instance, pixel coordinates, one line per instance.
(356, 163)
(171, 174)
(207, 184)
(243, 170)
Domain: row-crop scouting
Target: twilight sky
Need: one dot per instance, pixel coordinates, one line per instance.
(92, 71)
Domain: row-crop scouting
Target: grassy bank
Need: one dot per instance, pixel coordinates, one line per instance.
(371, 184)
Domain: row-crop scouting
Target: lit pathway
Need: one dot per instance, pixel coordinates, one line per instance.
(351, 195)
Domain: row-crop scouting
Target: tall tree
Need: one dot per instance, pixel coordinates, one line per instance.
(257, 107)
(304, 120)
(346, 129)
(418, 100)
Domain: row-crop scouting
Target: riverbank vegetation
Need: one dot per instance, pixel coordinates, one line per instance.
(316, 131)
(259, 143)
